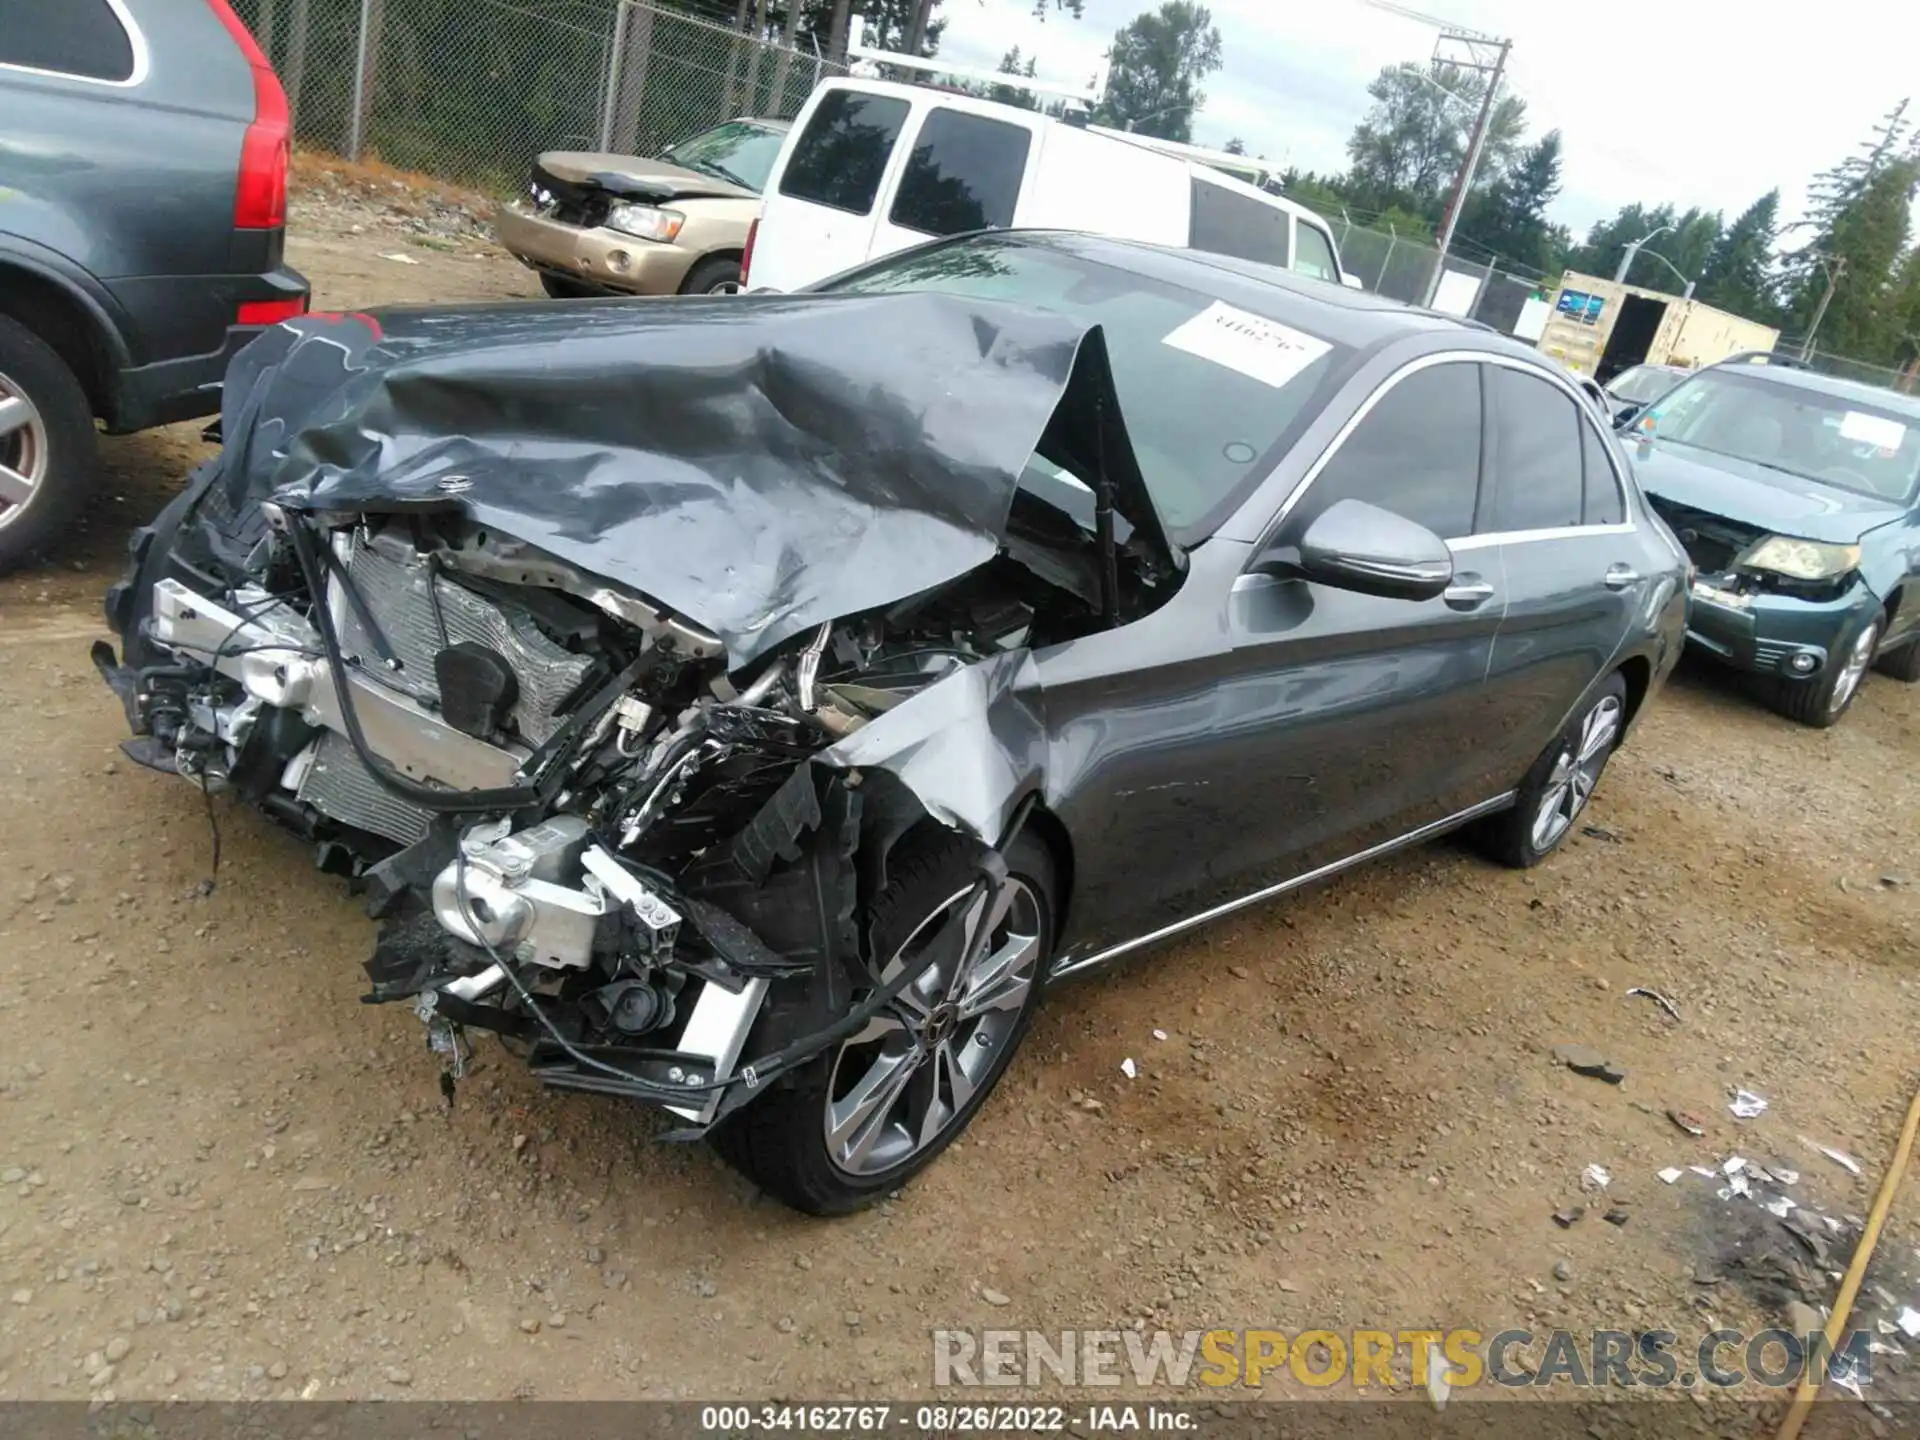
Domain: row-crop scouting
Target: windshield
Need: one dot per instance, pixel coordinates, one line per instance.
(738, 152)
(1849, 443)
(1643, 383)
(1206, 388)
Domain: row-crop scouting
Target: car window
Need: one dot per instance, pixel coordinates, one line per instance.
(737, 152)
(1417, 453)
(1850, 441)
(1537, 480)
(1642, 383)
(841, 155)
(72, 37)
(1228, 223)
(1602, 503)
(1315, 260)
(964, 174)
(1207, 388)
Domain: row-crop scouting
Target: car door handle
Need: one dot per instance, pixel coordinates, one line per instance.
(1467, 592)
(1619, 577)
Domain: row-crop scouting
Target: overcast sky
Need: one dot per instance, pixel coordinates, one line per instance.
(1697, 102)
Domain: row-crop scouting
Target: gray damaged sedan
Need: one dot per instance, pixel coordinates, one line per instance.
(749, 707)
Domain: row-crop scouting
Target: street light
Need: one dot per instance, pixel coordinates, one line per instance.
(1138, 119)
(1676, 273)
(1626, 260)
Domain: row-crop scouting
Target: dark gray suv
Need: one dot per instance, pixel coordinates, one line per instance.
(143, 203)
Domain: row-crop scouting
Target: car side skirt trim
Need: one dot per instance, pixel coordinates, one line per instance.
(1386, 847)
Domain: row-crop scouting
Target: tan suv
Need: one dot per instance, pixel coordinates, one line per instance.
(595, 223)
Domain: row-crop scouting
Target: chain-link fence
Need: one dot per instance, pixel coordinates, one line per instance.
(1906, 381)
(1402, 268)
(470, 90)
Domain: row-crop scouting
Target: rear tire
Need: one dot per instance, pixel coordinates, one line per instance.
(1555, 792)
(1902, 664)
(49, 452)
(781, 1141)
(1821, 702)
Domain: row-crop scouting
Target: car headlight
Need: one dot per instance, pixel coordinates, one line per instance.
(646, 221)
(1801, 559)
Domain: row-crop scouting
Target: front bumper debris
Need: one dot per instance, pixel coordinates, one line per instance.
(1763, 632)
(595, 255)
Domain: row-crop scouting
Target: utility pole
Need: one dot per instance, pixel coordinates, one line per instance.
(1476, 48)
(1835, 266)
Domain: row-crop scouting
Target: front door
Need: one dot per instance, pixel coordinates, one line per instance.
(817, 218)
(1321, 722)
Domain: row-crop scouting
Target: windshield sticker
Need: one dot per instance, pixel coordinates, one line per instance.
(1875, 430)
(1264, 349)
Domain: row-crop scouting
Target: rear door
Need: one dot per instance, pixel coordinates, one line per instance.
(819, 213)
(1556, 513)
(963, 172)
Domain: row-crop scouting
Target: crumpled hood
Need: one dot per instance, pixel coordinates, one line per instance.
(759, 464)
(636, 178)
(1749, 494)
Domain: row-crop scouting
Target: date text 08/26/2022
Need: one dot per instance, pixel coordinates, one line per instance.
(942, 1418)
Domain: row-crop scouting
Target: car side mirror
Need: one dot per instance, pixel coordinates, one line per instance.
(1352, 545)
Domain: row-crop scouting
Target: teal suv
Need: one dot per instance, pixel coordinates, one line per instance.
(1795, 497)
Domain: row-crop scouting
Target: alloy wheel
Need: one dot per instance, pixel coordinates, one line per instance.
(1848, 680)
(1575, 772)
(900, 1084)
(23, 450)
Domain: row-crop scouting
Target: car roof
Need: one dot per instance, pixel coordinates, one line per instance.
(1353, 318)
(1793, 378)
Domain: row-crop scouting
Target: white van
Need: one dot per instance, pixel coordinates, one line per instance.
(872, 167)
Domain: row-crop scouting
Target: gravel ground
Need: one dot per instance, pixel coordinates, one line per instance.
(221, 1177)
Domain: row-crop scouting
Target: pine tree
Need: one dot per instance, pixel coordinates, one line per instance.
(1834, 202)
(1738, 274)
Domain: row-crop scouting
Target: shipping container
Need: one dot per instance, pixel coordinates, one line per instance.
(1601, 327)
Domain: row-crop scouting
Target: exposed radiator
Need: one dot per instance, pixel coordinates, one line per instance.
(397, 596)
(339, 784)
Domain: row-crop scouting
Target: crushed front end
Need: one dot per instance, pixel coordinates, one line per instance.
(633, 843)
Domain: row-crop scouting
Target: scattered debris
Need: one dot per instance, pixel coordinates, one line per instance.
(1654, 995)
(1909, 1322)
(1733, 1166)
(1778, 1206)
(1439, 1376)
(1585, 1060)
(1804, 1319)
(1839, 1157)
(1563, 1269)
(400, 259)
(1671, 1174)
(1128, 1068)
(1746, 1105)
(1595, 1177)
(1686, 1122)
(1159, 1034)
(1599, 832)
(1569, 1216)
(1618, 1215)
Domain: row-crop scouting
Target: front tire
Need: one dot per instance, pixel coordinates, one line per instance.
(1820, 703)
(559, 287)
(713, 277)
(1556, 790)
(48, 449)
(855, 1123)
(1902, 664)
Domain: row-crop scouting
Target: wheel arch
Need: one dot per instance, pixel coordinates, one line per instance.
(74, 324)
(735, 253)
(1637, 671)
